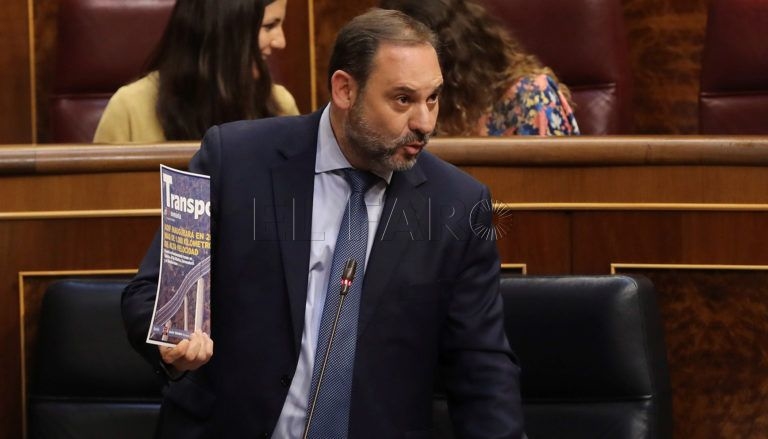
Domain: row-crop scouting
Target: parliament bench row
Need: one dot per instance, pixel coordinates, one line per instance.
(591, 350)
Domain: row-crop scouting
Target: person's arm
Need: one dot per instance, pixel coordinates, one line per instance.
(533, 106)
(480, 373)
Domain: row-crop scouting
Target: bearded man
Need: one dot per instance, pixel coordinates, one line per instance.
(303, 350)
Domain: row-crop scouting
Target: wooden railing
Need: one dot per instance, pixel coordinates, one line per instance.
(517, 151)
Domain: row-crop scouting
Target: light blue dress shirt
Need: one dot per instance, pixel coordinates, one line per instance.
(329, 199)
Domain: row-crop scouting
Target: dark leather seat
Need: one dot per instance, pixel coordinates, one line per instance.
(734, 68)
(101, 45)
(591, 350)
(87, 381)
(592, 355)
(584, 42)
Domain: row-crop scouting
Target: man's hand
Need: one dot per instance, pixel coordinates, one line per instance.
(189, 354)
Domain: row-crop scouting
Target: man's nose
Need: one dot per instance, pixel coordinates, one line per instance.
(423, 119)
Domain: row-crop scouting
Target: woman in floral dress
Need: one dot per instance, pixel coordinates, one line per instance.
(492, 86)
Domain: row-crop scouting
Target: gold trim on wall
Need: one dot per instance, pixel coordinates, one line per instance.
(511, 266)
(121, 213)
(22, 313)
(615, 266)
(633, 206)
(67, 214)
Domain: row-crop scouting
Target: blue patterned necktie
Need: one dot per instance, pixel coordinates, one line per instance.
(329, 417)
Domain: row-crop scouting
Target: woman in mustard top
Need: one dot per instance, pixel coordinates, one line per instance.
(209, 68)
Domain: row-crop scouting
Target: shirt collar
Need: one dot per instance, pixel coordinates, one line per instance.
(329, 156)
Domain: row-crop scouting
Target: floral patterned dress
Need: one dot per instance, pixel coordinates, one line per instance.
(534, 105)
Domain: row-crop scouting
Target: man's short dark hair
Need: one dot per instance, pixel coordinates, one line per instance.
(357, 42)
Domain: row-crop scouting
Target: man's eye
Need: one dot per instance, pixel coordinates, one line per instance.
(433, 98)
(402, 99)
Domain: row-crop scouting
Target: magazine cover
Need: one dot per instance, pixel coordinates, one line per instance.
(183, 304)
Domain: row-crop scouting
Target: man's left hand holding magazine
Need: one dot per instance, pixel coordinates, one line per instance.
(189, 354)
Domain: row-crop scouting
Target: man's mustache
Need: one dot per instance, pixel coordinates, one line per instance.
(413, 137)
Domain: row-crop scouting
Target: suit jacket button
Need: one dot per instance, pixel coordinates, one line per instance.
(285, 381)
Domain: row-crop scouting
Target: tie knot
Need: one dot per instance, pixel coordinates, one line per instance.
(360, 181)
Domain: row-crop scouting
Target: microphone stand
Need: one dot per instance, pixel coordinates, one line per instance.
(347, 276)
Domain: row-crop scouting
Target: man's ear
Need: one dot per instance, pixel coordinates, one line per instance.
(343, 89)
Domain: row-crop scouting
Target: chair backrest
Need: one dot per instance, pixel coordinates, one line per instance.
(734, 68)
(592, 355)
(584, 42)
(87, 381)
(101, 45)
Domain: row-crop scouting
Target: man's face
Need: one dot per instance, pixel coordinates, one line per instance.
(393, 116)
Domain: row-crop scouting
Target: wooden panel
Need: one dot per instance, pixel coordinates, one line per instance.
(567, 206)
(45, 32)
(330, 16)
(647, 184)
(15, 91)
(80, 192)
(714, 237)
(540, 240)
(665, 43)
(55, 244)
(292, 67)
(716, 332)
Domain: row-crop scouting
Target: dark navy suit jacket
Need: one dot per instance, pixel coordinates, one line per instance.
(430, 307)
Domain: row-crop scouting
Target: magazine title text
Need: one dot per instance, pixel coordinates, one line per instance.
(184, 204)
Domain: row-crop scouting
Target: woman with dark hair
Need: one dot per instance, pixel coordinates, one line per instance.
(209, 68)
(492, 86)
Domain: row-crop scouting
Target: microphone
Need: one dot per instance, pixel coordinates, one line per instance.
(347, 276)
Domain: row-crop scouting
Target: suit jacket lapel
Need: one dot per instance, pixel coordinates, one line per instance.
(393, 237)
(292, 185)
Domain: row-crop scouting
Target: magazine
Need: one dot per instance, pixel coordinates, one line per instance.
(183, 304)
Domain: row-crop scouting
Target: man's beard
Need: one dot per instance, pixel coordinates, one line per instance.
(374, 147)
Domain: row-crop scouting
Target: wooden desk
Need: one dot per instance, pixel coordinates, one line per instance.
(691, 213)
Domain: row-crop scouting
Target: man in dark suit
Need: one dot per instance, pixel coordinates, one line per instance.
(426, 309)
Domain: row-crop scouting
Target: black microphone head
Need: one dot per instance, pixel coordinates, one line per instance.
(349, 270)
